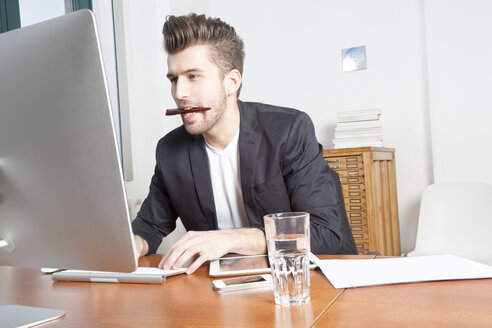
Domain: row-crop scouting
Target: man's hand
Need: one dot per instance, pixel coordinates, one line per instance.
(211, 245)
(141, 246)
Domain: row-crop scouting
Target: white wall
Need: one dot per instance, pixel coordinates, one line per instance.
(148, 93)
(459, 42)
(103, 11)
(293, 58)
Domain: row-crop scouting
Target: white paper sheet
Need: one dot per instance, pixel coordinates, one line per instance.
(359, 273)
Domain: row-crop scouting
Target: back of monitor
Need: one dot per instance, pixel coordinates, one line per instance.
(62, 195)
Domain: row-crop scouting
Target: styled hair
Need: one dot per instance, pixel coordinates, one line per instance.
(225, 46)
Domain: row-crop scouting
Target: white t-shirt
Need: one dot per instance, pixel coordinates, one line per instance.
(226, 185)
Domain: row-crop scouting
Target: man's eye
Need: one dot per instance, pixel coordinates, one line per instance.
(193, 77)
(173, 80)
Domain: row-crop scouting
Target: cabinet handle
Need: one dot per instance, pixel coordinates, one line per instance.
(335, 166)
(333, 160)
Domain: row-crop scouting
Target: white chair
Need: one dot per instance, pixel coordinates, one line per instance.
(456, 218)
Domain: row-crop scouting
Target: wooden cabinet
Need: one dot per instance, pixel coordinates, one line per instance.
(368, 181)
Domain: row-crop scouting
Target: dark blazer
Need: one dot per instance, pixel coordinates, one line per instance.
(282, 170)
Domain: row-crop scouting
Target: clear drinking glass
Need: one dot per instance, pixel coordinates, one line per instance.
(288, 243)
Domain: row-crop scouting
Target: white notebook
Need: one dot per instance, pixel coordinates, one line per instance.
(143, 275)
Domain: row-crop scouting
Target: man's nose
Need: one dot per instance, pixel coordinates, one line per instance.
(182, 89)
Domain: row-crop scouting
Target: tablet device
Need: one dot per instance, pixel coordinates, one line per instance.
(26, 316)
(241, 265)
(242, 283)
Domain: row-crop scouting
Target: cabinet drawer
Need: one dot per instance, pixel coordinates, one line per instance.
(355, 201)
(350, 173)
(350, 179)
(355, 207)
(356, 215)
(346, 166)
(354, 193)
(360, 236)
(358, 229)
(353, 187)
(343, 160)
(362, 248)
(355, 222)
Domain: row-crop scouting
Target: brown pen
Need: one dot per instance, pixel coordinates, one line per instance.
(176, 111)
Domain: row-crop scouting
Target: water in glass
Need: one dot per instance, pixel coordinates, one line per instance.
(290, 268)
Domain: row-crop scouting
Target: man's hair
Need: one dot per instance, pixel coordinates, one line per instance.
(226, 47)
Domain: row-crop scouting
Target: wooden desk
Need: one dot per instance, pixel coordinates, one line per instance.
(189, 301)
(183, 301)
(460, 303)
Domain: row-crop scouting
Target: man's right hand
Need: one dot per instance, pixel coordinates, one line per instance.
(211, 245)
(141, 246)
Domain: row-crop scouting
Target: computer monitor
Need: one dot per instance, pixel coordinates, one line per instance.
(62, 194)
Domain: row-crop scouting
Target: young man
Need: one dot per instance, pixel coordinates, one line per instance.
(225, 168)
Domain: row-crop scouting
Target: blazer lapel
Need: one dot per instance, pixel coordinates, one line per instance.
(249, 143)
(203, 184)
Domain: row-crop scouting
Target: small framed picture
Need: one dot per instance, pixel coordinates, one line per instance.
(354, 59)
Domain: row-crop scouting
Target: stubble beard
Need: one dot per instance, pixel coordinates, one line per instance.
(210, 117)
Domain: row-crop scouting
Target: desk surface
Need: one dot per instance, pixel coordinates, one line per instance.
(459, 303)
(189, 301)
(182, 301)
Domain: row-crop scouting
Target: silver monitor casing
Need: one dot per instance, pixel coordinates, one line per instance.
(62, 194)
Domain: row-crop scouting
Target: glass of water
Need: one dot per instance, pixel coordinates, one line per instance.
(288, 245)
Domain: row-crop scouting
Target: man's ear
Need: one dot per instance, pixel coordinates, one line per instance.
(232, 82)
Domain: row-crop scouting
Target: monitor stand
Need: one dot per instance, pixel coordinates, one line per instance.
(20, 315)
(5, 243)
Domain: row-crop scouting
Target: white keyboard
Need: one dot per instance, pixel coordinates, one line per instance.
(148, 275)
(140, 270)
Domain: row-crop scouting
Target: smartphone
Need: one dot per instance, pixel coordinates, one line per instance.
(240, 283)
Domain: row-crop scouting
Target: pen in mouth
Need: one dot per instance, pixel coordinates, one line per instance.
(176, 111)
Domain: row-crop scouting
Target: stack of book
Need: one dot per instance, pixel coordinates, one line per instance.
(358, 128)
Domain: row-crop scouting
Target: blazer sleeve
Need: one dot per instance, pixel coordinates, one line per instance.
(311, 188)
(157, 216)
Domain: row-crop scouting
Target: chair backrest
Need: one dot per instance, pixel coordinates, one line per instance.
(456, 218)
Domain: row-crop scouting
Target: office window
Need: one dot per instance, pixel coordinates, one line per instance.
(9, 15)
(20, 13)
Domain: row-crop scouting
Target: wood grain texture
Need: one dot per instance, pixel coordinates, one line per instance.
(394, 204)
(189, 301)
(376, 177)
(354, 151)
(182, 301)
(461, 303)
